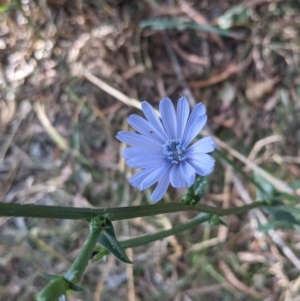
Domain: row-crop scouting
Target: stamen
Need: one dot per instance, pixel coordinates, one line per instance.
(174, 151)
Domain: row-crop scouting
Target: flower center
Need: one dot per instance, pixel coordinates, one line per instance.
(174, 151)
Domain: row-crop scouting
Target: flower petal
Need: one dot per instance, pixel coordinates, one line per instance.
(142, 157)
(202, 146)
(139, 124)
(182, 115)
(154, 120)
(139, 151)
(204, 164)
(143, 126)
(182, 175)
(137, 139)
(168, 117)
(142, 162)
(137, 179)
(161, 187)
(195, 124)
(153, 177)
(189, 173)
(176, 177)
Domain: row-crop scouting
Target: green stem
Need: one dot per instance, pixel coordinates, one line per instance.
(146, 239)
(76, 270)
(54, 290)
(60, 284)
(120, 213)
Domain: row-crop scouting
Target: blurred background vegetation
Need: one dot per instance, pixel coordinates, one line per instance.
(58, 147)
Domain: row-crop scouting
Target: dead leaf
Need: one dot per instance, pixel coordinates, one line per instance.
(256, 91)
(7, 112)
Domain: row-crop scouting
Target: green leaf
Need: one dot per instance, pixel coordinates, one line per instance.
(266, 190)
(195, 192)
(200, 186)
(4, 7)
(99, 252)
(238, 15)
(281, 217)
(288, 197)
(273, 224)
(75, 287)
(163, 24)
(284, 215)
(216, 220)
(108, 240)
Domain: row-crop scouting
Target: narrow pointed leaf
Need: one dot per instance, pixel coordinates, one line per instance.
(108, 240)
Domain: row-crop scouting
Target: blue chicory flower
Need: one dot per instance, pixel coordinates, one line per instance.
(162, 147)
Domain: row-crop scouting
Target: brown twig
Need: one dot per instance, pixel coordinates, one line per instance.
(219, 77)
(290, 255)
(235, 282)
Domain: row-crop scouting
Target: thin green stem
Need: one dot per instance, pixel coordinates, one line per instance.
(61, 284)
(76, 270)
(146, 239)
(120, 213)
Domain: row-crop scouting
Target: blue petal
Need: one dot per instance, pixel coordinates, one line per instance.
(161, 187)
(182, 175)
(153, 177)
(142, 162)
(140, 124)
(143, 126)
(176, 177)
(182, 114)
(137, 179)
(168, 116)
(195, 124)
(202, 146)
(189, 173)
(139, 151)
(154, 120)
(137, 139)
(204, 164)
(141, 157)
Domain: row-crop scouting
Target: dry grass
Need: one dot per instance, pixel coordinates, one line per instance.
(71, 72)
